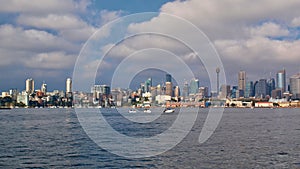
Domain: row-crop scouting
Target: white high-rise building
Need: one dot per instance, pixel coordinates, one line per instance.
(30, 86)
(242, 80)
(295, 86)
(68, 85)
(44, 88)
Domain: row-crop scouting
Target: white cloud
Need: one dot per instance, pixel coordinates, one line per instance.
(107, 16)
(225, 24)
(52, 21)
(144, 41)
(296, 22)
(268, 29)
(258, 56)
(259, 51)
(37, 6)
(227, 19)
(119, 51)
(35, 49)
(69, 26)
(78, 35)
(16, 38)
(53, 60)
(82, 5)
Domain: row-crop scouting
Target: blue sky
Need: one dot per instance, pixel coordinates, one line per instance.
(131, 6)
(42, 39)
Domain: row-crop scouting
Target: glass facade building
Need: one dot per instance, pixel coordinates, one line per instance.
(194, 86)
(281, 80)
(249, 90)
(261, 88)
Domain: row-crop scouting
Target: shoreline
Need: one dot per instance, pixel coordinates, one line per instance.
(10, 108)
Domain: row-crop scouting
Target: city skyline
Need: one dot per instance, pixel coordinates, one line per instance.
(142, 76)
(282, 83)
(43, 40)
(193, 93)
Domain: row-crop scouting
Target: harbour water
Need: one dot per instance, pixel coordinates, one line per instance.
(245, 138)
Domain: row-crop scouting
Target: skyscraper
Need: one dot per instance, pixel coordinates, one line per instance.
(271, 86)
(169, 86)
(218, 80)
(203, 92)
(234, 91)
(142, 87)
(281, 80)
(185, 92)
(249, 88)
(158, 89)
(177, 92)
(194, 86)
(225, 91)
(169, 89)
(261, 88)
(30, 86)
(44, 88)
(168, 78)
(295, 86)
(242, 80)
(148, 85)
(68, 85)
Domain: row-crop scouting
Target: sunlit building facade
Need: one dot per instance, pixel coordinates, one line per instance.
(30, 86)
(295, 86)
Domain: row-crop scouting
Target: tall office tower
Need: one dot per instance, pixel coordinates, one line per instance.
(218, 80)
(148, 85)
(224, 92)
(255, 84)
(271, 86)
(153, 91)
(295, 86)
(281, 80)
(105, 89)
(158, 90)
(261, 88)
(194, 86)
(242, 80)
(68, 85)
(30, 86)
(185, 91)
(234, 91)
(44, 88)
(168, 78)
(249, 89)
(176, 91)
(203, 91)
(169, 90)
(142, 87)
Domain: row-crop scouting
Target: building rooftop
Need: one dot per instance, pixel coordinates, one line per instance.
(296, 76)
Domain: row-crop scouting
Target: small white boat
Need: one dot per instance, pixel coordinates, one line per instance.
(169, 110)
(132, 111)
(147, 111)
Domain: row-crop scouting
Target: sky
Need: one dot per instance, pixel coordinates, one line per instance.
(42, 39)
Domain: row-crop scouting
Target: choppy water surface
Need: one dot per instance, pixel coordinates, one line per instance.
(245, 138)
